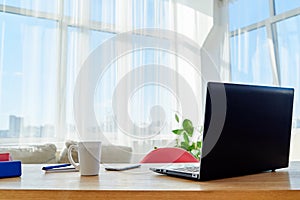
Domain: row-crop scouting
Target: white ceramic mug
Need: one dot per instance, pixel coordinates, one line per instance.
(89, 156)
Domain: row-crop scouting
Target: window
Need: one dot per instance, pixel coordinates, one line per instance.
(79, 39)
(243, 12)
(28, 66)
(103, 11)
(47, 6)
(249, 58)
(282, 6)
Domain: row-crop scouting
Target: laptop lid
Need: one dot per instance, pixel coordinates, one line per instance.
(247, 129)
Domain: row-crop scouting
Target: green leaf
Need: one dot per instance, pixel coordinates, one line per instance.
(177, 118)
(191, 147)
(178, 131)
(186, 138)
(188, 127)
(184, 145)
(199, 144)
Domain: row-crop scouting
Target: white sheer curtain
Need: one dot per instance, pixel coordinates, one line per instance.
(45, 45)
(28, 71)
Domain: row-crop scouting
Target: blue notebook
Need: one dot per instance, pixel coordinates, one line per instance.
(10, 169)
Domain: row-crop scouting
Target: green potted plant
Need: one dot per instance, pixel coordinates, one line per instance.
(188, 137)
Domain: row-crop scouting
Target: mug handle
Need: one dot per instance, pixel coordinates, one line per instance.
(73, 146)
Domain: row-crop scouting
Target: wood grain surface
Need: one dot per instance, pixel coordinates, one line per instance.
(142, 183)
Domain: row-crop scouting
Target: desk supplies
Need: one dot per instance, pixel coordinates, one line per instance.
(60, 168)
(5, 157)
(10, 169)
(56, 166)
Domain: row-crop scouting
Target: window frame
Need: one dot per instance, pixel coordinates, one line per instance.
(270, 25)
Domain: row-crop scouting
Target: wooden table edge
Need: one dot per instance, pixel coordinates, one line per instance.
(147, 194)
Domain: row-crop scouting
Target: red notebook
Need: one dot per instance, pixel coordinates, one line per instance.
(5, 157)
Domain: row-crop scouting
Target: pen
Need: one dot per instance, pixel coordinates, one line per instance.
(55, 166)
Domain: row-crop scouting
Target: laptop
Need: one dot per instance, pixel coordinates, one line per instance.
(247, 130)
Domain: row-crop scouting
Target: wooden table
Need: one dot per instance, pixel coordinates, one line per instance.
(144, 184)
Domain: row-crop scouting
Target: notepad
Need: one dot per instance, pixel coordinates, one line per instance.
(10, 169)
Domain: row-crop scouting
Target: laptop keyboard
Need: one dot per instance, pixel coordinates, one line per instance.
(188, 169)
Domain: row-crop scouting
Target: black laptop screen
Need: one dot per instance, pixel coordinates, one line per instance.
(255, 133)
